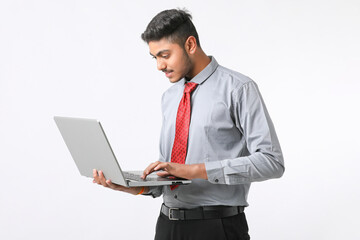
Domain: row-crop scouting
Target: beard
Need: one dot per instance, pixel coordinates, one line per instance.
(188, 66)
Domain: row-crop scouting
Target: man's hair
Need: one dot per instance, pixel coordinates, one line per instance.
(173, 24)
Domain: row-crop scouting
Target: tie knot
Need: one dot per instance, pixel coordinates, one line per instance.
(189, 87)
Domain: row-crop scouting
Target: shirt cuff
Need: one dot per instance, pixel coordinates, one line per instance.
(154, 192)
(215, 172)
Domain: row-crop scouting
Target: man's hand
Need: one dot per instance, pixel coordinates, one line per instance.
(187, 171)
(99, 178)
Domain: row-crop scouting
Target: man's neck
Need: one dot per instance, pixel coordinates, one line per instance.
(200, 61)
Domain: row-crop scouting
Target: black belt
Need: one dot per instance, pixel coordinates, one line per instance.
(207, 212)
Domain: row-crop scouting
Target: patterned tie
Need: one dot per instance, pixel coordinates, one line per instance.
(178, 153)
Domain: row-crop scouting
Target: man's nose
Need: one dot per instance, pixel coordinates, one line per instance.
(160, 64)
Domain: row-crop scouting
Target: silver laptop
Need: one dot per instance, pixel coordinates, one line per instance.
(90, 149)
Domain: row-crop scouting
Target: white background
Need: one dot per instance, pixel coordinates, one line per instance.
(85, 58)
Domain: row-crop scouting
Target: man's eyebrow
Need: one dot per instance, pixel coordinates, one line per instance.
(160, 52)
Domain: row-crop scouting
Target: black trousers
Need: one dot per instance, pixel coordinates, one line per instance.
(228, 228)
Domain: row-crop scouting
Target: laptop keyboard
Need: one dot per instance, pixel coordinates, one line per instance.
(137, 177)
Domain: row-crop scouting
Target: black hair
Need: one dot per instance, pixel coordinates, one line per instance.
(173, 24)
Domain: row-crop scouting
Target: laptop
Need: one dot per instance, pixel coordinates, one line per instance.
(90, 149)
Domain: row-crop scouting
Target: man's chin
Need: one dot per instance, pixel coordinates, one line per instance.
(174, 80)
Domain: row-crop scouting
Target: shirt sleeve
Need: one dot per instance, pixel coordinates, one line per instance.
(154, 192)
(263, 159)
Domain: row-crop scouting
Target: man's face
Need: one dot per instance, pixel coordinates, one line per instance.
(171, 58)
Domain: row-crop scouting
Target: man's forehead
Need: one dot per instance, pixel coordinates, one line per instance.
(162, 45)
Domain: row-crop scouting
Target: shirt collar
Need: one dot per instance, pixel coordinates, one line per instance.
(204, 74)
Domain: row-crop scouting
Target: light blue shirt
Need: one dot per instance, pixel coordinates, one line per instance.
(230, 131)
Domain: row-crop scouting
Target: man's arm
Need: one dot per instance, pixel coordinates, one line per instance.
(264, 159)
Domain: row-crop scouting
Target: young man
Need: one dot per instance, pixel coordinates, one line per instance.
(216, 131)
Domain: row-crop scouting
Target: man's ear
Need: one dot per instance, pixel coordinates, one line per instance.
(191, 45)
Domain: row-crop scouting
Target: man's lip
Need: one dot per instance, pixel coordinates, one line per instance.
(168, 74)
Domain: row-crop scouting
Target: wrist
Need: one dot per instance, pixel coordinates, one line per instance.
(198, 171)
(141, 191)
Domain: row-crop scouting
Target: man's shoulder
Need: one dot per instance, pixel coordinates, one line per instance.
(233, 77)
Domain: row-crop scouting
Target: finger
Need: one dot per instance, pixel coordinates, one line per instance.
(95, 173)
(161, 165)
(110, 184)
(149, 169)
(96, 176)
(163, 174)
(102, 179)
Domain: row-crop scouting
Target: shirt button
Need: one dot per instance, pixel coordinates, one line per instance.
(175, 196)
(216, 180)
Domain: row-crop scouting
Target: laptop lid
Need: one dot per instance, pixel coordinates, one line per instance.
(90, 149)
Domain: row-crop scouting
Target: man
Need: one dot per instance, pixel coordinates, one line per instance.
(216, 131)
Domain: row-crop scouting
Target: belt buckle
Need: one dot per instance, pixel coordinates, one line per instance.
(171, 217)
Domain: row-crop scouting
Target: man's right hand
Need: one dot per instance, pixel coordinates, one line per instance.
(100, 179)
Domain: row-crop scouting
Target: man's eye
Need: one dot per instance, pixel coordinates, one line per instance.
(165, 56)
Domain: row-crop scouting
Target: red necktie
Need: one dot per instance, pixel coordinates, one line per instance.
(178, 153)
